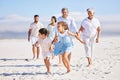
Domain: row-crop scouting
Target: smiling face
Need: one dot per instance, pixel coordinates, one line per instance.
(65, 13)
(60, 28)
(36, 19)
(90, 14)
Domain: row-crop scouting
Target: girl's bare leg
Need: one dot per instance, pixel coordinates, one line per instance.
(69, 56)
(66, 61)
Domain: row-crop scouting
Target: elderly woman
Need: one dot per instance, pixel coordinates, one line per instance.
(90, 29)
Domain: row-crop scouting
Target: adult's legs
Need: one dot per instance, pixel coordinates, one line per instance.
(33, 50)
(89, 61)
(38, 52)
(88, 50)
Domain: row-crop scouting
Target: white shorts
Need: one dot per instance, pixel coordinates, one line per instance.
(33, 40)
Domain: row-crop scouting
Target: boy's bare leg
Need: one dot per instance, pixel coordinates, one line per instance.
(47, 64)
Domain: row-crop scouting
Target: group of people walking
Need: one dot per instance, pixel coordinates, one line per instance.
(57, 37)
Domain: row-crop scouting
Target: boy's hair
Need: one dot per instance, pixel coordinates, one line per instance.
(54, 18)
(43, 31)
(64, 24)
(36, 16)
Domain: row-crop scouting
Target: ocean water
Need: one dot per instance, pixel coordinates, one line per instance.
(107, 29)
(23, 35)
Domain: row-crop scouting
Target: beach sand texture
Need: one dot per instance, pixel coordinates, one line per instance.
(16, 62)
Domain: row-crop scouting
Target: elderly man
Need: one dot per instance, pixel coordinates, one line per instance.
(90, 29)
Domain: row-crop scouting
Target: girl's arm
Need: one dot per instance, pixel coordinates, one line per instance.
(76, 36)
(55, 39)
(51, 47)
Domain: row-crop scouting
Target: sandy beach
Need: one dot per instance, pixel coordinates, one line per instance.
(16, 62)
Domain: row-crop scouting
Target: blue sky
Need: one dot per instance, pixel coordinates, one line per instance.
(16, 15)
(51, 7)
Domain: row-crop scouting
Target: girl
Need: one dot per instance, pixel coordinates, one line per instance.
(64, 44)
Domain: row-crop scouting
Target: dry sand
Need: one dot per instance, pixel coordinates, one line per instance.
(16, 62)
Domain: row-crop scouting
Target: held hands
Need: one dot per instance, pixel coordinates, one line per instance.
(82, 42)
(77, 37)
(51, 47)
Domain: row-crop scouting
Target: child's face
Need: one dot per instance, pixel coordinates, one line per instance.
(60, 28)
(42, 36)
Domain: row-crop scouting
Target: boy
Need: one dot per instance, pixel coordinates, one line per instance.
(45, 42)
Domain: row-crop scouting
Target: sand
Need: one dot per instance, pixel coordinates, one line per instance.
(16, 62)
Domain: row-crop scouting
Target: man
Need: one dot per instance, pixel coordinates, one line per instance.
(33, 35)
(90, 29)
(71, 25)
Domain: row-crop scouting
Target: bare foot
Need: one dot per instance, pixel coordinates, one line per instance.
(68, 71)
(33, 57)
(89, 65)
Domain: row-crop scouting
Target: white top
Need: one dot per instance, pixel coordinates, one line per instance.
(45, 44)
(71, 23)
(90, 27)
(63, 34)
(52, 31)
(35, 28)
